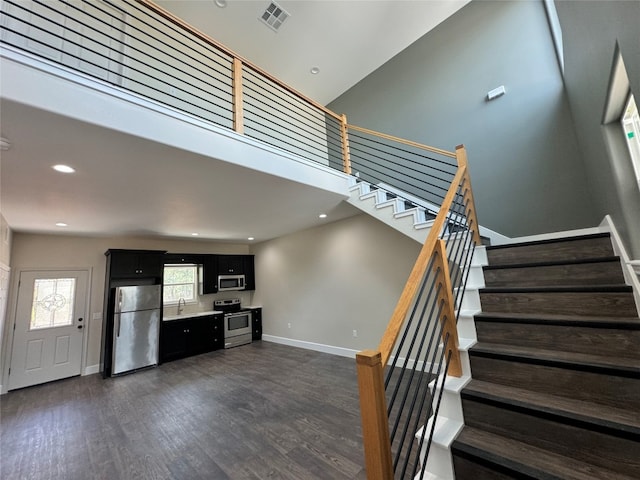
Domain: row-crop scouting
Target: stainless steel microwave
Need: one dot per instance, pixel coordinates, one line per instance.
(230, 282)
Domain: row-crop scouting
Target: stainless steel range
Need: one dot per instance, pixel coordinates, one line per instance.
(237, 322)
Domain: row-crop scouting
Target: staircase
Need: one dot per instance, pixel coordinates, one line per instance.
(402, 211)
(555, 389)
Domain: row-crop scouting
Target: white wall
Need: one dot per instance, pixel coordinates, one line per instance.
(32, 252)
(329, 280)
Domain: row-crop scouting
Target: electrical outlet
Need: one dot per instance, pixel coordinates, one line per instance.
(355, 333)
(288, 325)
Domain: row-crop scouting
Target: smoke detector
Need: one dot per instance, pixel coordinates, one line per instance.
(274, 16)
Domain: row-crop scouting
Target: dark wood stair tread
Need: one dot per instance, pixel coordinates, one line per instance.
(550, 241)
(615, 421)
(525, 461)
(619, 288)
(620, 366)
(551, 263)
(631, 323)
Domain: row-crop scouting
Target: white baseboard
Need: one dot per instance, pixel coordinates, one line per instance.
(318, 347)
(630, 275)
(91, 369)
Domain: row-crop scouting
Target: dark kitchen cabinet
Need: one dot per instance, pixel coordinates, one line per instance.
(191, 336)
(231, 264)
(249, 272)
(180, 258)
(208, 275)
(256, 331)
(135, 264)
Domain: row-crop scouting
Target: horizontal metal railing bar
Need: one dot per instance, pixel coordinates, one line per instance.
(402, 140)
(269, 125)
(218, 56)
(130, 79)
(357, 147)
(149, 45)
(252, 120)
(177, 21)
(412, 153)
(280, 96)
(275, 117)
(382, 176)
(269, 140)
(99, 54)
(412, 157)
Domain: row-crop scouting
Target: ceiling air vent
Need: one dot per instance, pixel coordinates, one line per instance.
(274, 16)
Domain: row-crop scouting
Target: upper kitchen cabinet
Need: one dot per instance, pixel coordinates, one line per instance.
(180, 258)
(208, 275)
(135, 266)
(249, 272)
(231, 264)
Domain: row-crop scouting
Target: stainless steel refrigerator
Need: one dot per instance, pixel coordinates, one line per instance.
(136, 324)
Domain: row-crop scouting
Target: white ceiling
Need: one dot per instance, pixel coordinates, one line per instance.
(172, 193)
(345, 39)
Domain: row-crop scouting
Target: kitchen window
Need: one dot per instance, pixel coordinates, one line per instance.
(180, 282)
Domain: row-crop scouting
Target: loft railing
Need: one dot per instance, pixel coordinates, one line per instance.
(143, 49)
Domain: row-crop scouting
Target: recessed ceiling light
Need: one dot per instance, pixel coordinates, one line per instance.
(322, 215)
(250, 238)
(63, 169)
(195, 234)
(221, 3)
(61, 224)
(315, 70)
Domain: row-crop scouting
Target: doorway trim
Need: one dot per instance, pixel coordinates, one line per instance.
(11, 318)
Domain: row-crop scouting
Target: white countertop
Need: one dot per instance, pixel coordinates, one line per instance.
(167, 318)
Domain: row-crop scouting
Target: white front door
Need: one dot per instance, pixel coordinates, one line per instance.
(49, 327)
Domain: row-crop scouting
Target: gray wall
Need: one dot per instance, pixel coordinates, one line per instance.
(524, 159)
(590, 32)
(330, 280)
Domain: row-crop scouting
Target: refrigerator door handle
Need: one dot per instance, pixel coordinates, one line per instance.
(119, 300)
(118, 320)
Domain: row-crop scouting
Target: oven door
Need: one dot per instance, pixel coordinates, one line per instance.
(237, 323)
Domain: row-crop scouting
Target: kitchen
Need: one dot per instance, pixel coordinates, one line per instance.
(138, 332)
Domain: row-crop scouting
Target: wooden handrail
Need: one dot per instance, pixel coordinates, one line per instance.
(445, 153)
(417, 273)
(203, 36)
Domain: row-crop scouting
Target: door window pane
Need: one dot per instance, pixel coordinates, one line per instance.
(52, 302)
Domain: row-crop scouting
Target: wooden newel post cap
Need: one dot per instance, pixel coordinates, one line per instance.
(368, 357)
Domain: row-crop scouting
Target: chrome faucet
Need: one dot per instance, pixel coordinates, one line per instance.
(183, 305)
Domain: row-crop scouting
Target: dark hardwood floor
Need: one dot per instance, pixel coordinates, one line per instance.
(260, 411)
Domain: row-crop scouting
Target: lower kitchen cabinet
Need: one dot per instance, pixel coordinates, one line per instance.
(191, 336)
(256, 332)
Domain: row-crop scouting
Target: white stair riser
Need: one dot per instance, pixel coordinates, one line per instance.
(467, 327)
(476, 277)
(440, 462)
(450, 404)
(471, 299)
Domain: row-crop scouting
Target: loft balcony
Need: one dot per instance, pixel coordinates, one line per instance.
(162, 117)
